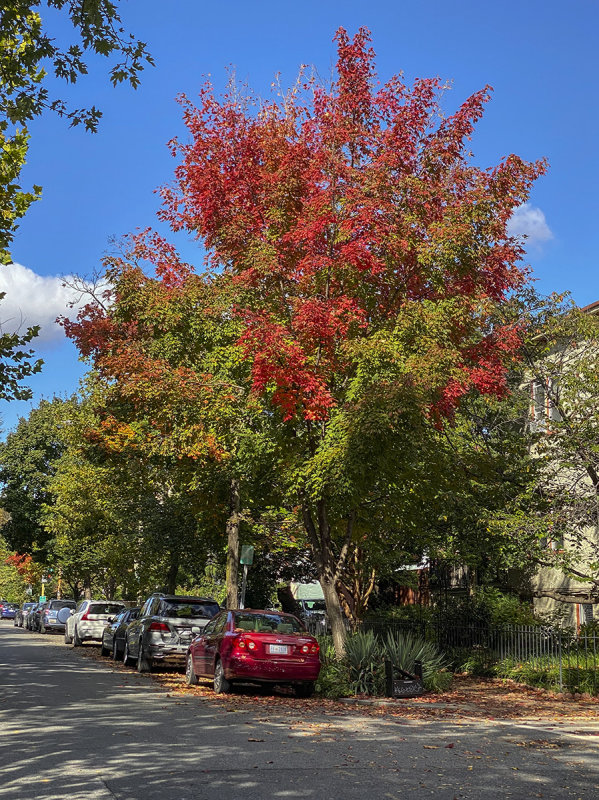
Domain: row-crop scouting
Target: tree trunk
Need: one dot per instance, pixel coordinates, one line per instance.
(330, 566)
(233, 546)
(334, 614)
(173, 571)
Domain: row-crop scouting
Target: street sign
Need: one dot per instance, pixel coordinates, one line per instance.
(42, 598)
(247, 554)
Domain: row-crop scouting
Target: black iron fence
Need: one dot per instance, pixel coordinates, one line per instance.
(542, 656)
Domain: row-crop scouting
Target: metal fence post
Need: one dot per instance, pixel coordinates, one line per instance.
(559, 650)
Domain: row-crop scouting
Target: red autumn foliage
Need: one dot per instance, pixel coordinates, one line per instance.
(337, 209)
(24, 566)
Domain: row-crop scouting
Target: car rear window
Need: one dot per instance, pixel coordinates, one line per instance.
(267, 623)
(187, 609)
(62, 604)
(105, 608)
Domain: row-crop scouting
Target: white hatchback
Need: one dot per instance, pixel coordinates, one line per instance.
(89, 619)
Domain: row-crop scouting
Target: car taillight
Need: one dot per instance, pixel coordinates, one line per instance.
(246, 644)
(310, 648)
(85, 615)
(160, 626)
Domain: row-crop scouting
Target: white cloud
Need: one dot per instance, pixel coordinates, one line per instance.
(33, 299)
(530, 222)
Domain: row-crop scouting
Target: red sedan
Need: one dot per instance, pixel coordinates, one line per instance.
(254, 646)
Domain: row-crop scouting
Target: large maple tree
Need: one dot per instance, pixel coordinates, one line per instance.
(371, 261)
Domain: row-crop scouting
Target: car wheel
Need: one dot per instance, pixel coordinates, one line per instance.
(144, 662)
(42, 628)
(304, 690)
(104, 651)
(127, 660)
(190, 675)
(221, 684)
(76, 640)
(67, 639)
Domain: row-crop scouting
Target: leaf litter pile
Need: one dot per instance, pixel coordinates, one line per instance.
(483, 698)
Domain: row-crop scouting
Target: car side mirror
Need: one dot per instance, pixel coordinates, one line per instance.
(109, 620)
(72, 611)
(196, 631)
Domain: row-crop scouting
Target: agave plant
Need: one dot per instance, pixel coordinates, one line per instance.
(363, 657)
(404, 649)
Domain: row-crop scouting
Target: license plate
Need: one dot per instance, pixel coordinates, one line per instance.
(278, 649)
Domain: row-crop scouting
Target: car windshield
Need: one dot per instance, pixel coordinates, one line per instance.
(27, 606)
(105, 608)
(62, 604)
(267, 623)
(186, 609)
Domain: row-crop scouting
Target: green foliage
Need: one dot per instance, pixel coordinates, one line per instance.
(413, 614)
(362, 670)
(333, 681)
(544, 673)
(487, 606)
(27, 462)
(554, 516)
(27, 53)
(12, 584)
(477, 661)
(439, 682)
(404, 649)
(17, 361)
(363, 657)
(502, 608)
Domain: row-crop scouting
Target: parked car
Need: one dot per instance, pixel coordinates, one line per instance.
(255, 646)
(88, 619)
(113, 636)
(32, 621)
(50, 618)
(21, 614)
(163, 629)
(8, 610)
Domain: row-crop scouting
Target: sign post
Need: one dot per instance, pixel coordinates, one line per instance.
(247, 559)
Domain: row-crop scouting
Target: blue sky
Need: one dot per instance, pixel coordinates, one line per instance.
(540, 58)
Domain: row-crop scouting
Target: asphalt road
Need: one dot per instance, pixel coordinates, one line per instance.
(72, 727)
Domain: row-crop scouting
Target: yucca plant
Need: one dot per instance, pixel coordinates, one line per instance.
(404, 649)
(363, 657)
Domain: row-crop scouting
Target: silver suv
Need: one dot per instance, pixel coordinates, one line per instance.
(87, 621)
(163, 630)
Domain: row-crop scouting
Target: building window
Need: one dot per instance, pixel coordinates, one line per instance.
(586, 613)
(543, 407)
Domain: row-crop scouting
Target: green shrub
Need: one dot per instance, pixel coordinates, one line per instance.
(478, 661)
(544, 673)
(404, 649)
(362, 670)
(363, 657)
(333, 681)
(439, 681)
